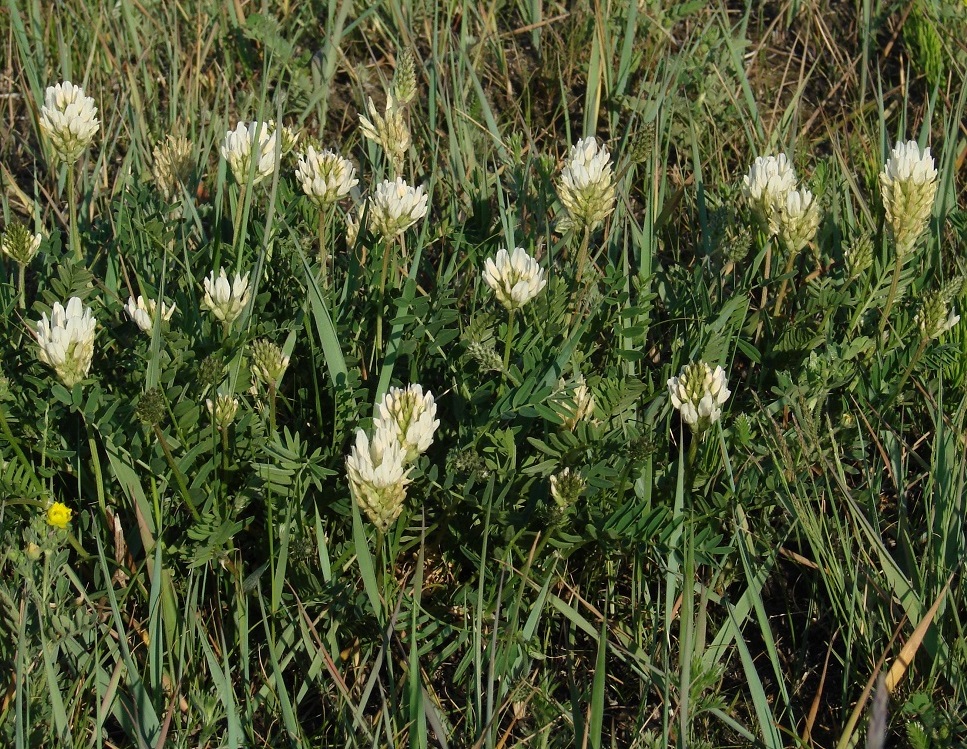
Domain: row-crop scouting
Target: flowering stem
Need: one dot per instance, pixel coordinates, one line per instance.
(20, 277)
(924, 340)
(784, 286)
(179, 478)
(382, 295)
(323, 255)
(272, 407)
(582, 256)
(75, 239)
(509, 340)
(239, 210)
(890, 297)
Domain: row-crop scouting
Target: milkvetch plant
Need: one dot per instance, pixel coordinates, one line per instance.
(224, 299)
(142, 312)
(66, 340)
(908, 185)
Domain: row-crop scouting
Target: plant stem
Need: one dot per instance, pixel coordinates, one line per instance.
(924, 340)
(582, 256)
(509, 340)
(20, 278)
(179, 479)
(387, 248)
(785, 283)
(75, 239)
(323, 255)
(897, 268)
(272, 407)
(239, 210)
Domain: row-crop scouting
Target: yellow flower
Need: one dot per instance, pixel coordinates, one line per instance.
(59, 515)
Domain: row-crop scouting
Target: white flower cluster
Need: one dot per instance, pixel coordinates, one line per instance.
(68, 119)
(395, 206)
(222, 409)
(586, 187)
(325, 176)
(142, 312)
(698, 393)
(378, 469)
(908, 184)
(248, 139)
(67, 340)
(579, 406)
(785, 211)
(226, 300)
(388, 130)
(515, 278)
(172, 166)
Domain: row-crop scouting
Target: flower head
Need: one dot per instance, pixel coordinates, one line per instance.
(226, 300)
(581, 406)
(395, 206)
(19, 244)
(325, 176)
(765, 187)
(935, 316)
(268, 362)
(908, 184)
(68, 119)
(586, 187)
(142, 312)
(238, 147)
(798, 219)
(389, 130)
(566, 487)
(698, 393)
(67, 340)
(515, 278)
(222, 409)
(59, 515)
(172, 166)
(408, 415)
(378, 477)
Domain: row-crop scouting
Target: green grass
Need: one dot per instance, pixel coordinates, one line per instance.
(221, 588)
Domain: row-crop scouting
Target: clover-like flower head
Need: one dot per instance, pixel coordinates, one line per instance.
(226, 300)
(142, 311)
(908, 184)
(67, 340)
(408, 415)
(395, 206)
(250, 140)
(698, 393)
(586, 186)
(765, 187)
(516, 277)
(378, 477)
(325, 176)
(68, 119)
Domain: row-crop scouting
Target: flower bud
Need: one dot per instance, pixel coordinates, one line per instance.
(268, 362)
(222, 409)
(172, 166)
(19, 244)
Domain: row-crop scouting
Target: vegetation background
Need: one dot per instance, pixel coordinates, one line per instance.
(815, 542)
